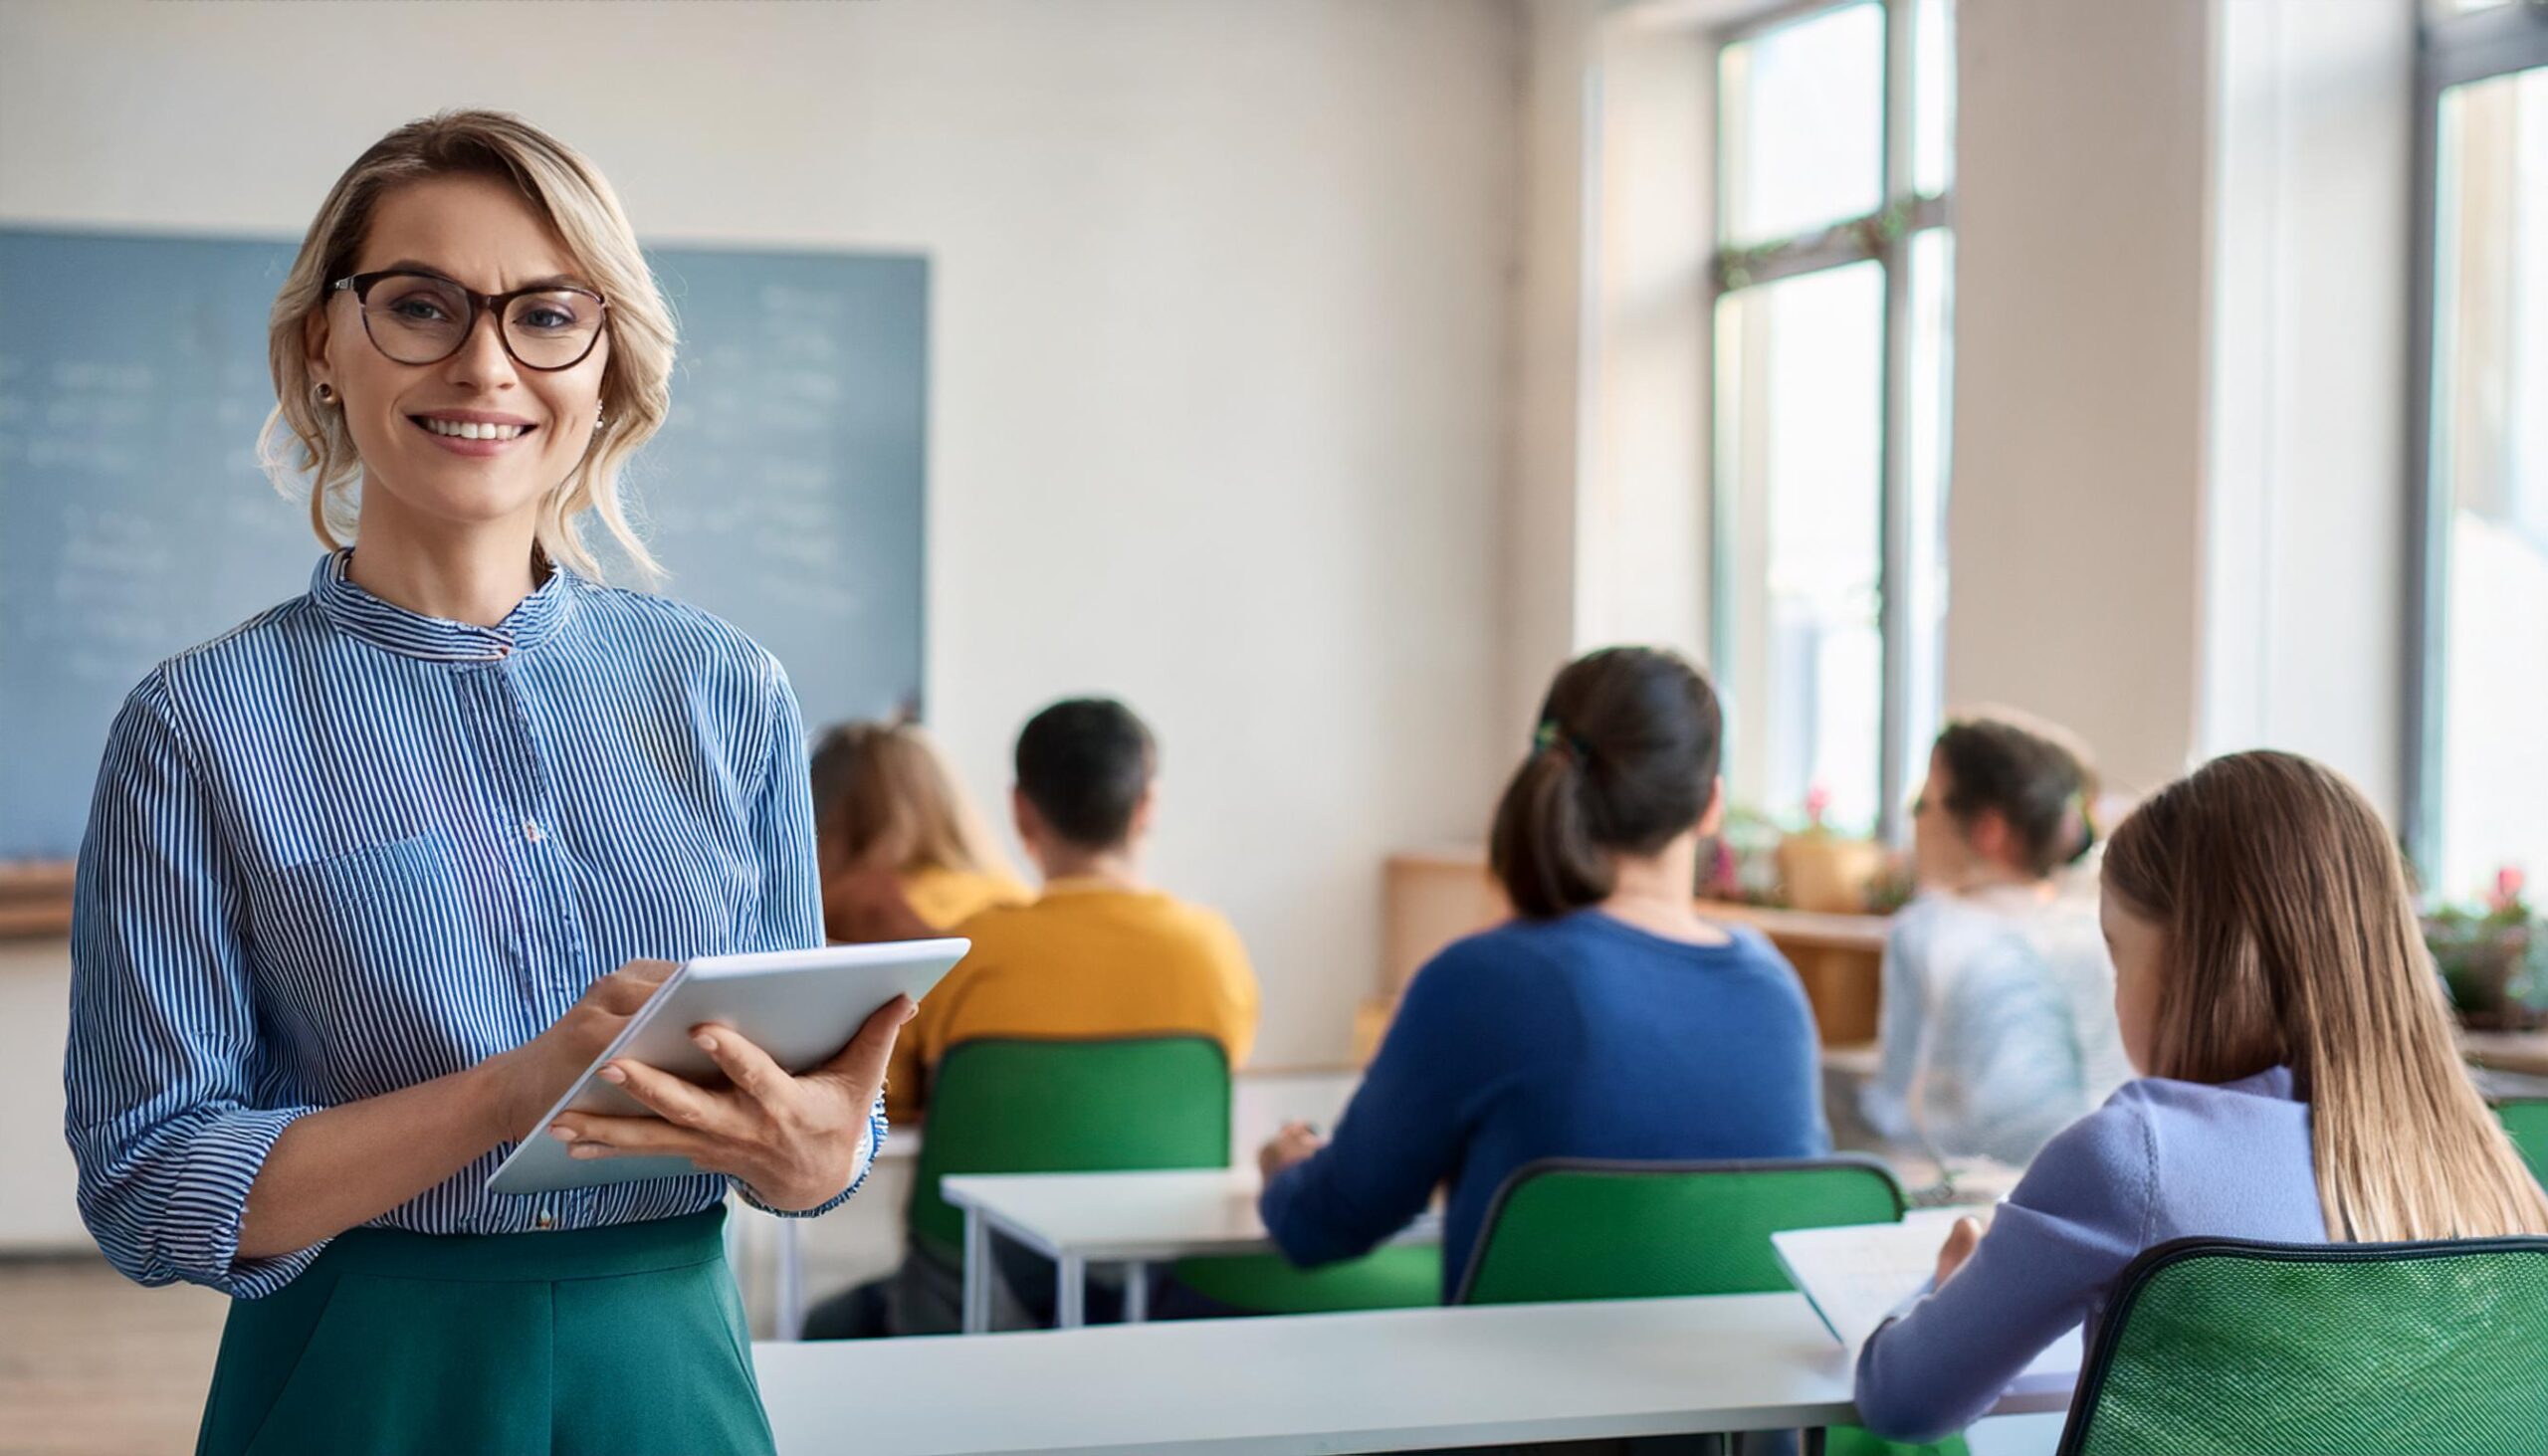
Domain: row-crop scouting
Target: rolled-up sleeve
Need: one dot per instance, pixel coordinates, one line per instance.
(160, 1075)
(788, 914)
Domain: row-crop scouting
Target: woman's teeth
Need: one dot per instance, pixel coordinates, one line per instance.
(462, 430)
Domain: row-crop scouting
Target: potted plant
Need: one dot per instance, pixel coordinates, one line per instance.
(2493, 958)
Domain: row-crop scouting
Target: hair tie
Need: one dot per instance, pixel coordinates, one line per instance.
(2076, 817)
(1550, 736)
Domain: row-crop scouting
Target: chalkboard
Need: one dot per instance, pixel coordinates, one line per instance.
(785, 494)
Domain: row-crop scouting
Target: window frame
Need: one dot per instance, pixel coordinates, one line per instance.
(1884, 237)
(2452, 49)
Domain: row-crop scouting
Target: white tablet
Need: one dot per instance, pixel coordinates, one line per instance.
(800, 1006)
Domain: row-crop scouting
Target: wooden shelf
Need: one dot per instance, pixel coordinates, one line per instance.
(1436, 895)
(34, 899)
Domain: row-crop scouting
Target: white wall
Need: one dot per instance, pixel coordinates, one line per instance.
(2306, 508)
(1220, 342)
(2074, 527)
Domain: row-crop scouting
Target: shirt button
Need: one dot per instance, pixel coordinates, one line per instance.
(548, 1219)
(530, 830)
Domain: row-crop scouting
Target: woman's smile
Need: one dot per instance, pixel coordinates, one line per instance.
(473, 432)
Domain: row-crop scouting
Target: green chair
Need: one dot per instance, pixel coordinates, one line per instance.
(2380, 1349)
(1011, 1105)
(1664, 1229)
(1671, 1228)
(2526, 1119)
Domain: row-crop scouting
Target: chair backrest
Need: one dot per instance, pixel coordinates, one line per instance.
(1583, 1229)
(1019, 1106)
(2216, 1345)
(2526, 1119)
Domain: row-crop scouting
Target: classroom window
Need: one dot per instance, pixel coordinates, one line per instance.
(2480, 776)
(1833, 352)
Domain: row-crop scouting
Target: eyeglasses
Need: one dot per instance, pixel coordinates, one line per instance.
(424, 319)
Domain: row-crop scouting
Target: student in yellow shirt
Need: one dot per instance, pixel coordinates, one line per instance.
(1099, 954)
(885, 800)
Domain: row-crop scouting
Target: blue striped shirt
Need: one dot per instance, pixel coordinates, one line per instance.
(344, 849)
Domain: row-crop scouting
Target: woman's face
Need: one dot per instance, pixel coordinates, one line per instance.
(481, 233)
(2138, 948)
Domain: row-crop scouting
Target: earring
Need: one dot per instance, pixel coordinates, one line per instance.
(326, 392)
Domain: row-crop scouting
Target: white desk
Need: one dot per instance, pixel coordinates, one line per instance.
(1260, 1103)
(1392, 1379)
(1134, 1219)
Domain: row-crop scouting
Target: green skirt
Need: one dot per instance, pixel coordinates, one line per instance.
(628, 1339)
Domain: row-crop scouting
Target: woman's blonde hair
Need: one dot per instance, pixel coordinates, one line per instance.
(884, 796)
(2292, 940)
(573, 197)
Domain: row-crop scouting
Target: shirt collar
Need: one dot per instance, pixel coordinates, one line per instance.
(359, 614)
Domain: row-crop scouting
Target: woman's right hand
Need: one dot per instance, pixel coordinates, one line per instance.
(528, 1080)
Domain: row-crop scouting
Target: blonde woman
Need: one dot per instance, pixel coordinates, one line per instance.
(887, 803)
(369, 878)
(2302, 1086)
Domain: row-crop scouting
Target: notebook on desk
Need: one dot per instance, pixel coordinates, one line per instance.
(1856, 1274)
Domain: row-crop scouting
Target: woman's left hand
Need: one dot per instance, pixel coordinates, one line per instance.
(793, 1140)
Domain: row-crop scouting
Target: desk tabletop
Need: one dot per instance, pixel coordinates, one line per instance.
(1141, 1217)
(1383, 1380)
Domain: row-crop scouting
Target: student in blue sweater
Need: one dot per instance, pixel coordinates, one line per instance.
(1608, 1020)
(2270, 977)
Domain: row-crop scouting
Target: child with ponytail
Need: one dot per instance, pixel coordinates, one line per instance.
(1607, 1020)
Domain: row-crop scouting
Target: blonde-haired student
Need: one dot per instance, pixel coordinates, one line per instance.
(2302, 1084)
(885, 798)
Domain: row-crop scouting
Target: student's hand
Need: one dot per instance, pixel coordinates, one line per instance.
(793, 1140)
(528, 1080)
(1962, 1240)
(1297, 1143)
(867, 905)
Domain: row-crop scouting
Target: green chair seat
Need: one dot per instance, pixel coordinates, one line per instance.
(1584, 1229)
(2380, 1349)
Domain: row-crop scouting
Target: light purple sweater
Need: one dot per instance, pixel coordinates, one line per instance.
(2160, 1160)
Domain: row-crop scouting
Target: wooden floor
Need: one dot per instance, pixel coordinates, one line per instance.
(91, 1362)
(94, 1365)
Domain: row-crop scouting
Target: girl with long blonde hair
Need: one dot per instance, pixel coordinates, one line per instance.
(887, 803)
(2300, 1085)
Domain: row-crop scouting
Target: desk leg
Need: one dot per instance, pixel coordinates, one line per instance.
(1137, 1293)
(789, 1321)
(978, 1273)
(1070, 1292)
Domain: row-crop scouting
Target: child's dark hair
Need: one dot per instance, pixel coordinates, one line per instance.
(2038, 784)
(1084, 763)
(1624, 759)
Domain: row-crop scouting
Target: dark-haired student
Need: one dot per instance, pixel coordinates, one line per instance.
(1100, 952)
(1607, 1020)
(1998, 1025)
